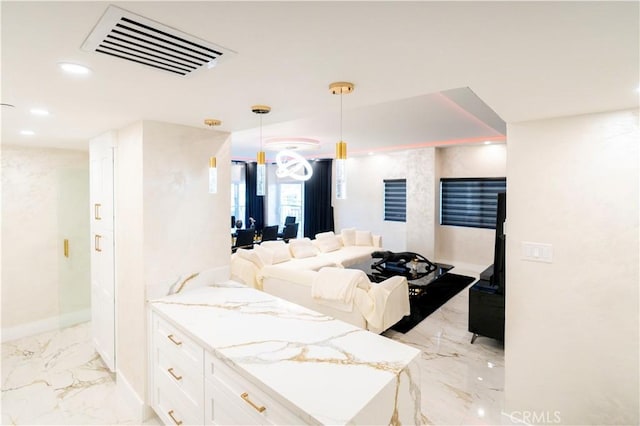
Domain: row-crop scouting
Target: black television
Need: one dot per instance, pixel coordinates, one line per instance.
(498, 276)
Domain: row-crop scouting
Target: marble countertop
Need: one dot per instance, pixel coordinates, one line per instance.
(327, 371)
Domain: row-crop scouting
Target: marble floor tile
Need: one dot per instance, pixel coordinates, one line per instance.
(56, 378)
(461, 383)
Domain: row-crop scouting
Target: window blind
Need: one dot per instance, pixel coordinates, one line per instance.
(395, 200)
(471, 202)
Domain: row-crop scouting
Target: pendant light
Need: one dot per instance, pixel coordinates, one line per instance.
(261, 172)
(341, 88)
(213, 170)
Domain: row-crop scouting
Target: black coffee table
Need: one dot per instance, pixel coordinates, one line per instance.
(417, 281)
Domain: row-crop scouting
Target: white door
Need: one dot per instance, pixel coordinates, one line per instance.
(103, 295)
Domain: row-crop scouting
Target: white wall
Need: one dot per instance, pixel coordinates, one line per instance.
(364, 207)
(167, 224)
(186, 229)
(422, 233)
(572, 325)
(131, 357)
(45, 198)
(456, 244)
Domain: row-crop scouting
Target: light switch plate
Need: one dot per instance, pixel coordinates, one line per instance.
(537, 252)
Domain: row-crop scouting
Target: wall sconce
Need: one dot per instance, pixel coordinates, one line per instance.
(213, 170)
(213, 176)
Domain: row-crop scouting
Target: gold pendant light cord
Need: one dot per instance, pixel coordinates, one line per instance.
(340, 116)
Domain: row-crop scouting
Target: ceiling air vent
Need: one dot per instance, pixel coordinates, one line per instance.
(125, 35)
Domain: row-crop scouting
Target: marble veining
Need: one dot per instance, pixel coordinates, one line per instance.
(58, 378)
(461, 383)
(287, 347)
(258, 308)
(448, 384)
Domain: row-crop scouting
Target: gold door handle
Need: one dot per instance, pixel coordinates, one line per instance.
(66, 248)
(96, 211)
(175, 342)
(170, 370)
(96, 242)
(178, 422)
(259, 409)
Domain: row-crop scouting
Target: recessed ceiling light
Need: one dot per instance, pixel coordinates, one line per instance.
(74, 68)
(27, 132)
(487, 142)
(39, 111)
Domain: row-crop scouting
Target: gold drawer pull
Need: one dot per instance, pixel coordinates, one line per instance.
(96, 242)
(178, 422)
(175, 342)
(174, 374)
(65, 247)
(245, 396)
(96, 211)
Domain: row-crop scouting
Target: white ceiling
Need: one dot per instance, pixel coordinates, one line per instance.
(524, 60)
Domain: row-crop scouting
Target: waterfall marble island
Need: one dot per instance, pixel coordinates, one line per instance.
(229, 354)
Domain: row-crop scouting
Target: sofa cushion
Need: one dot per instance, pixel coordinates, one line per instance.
(364, 238)
(328, 244)
(321, 235)
(265, 254)
(252, 256)
(348, 256)
(279, 250)
(348, 237)
(302, 247)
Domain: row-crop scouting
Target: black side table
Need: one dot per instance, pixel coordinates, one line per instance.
(486, 311)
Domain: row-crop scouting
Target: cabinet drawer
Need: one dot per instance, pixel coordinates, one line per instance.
(176, 345)
(189, 381)
(224, 408)
(173, 406)
(242, 395)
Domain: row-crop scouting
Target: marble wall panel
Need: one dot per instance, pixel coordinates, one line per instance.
(45, 195)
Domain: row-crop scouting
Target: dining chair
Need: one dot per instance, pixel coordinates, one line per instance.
(270, 233)
(290, 231)
(244, 239)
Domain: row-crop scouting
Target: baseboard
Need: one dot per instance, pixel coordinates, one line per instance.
(130, 397)
(44, 325)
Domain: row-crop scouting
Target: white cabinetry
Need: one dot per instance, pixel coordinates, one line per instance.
(230, 399)
(101, 159)
(192, 386)
(177, 374)
(245, 357)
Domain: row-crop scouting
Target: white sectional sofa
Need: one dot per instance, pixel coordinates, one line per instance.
(312, 273)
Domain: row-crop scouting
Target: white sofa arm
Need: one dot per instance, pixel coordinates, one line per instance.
(244, 272)
(377, 240)
(391, 300)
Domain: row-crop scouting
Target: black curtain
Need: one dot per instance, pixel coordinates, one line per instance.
(255, 204)
(318, 211)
